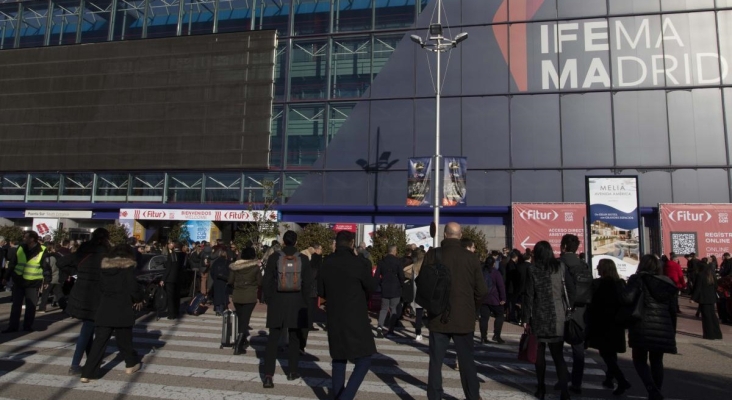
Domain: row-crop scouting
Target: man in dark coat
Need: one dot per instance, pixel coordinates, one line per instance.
(391, 274)
(170, 280)
(345, 281)
(578, 271)
(467, 290)
(286, 310)
(316, 260)
(726, 268)
(24, 266)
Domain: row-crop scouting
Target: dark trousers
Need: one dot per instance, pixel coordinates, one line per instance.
(468, 372)
(21, 294)
(578, 364)
(312, 310)
(613, 370)
(270, 353)
(57, 291)
(173, 293)
(418, 315)
(339, 389)
(485, 315)
(556, 351)
(102, 334)
(244, 315)
(652, 377)
(511, 313)
(710, 323)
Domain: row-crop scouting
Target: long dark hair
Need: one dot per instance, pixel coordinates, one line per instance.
(650, 264)
(606, 269)
(544, 256)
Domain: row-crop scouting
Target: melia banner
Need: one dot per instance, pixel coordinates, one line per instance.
(614, 222)
(454, 180)
(418, 181)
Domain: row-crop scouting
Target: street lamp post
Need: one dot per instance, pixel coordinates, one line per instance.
(438, 44)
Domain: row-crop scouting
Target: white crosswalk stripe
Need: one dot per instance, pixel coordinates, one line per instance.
(185, 353)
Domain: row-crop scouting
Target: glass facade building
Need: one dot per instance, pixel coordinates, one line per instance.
(543, 93)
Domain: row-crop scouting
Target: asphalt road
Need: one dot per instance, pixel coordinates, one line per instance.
(182, 360)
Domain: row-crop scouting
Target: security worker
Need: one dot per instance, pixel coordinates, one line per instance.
(24, 266)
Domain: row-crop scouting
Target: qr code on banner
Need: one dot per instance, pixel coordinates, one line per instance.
(683, 242)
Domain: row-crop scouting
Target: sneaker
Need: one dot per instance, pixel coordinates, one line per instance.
(87, 380)
(74, 370)
(133, 369)
(419, 338)
(379, 333)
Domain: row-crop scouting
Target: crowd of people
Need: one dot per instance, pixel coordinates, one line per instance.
(553, 297)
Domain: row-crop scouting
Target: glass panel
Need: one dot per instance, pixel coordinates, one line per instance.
(700, 186)
(477, 140)
(338, 115)
(184, 188)
(543, 186)
(535, 137)
(690, 46)
(276, 140)
(95, 24)
(581, 8)
(683, 5)
(130, 18)
(8, 25)
(292, 182)
(33, 26)
(350, 67)
(162, 18)
(112, 187)
(392, 14)
(352, 15)
(198, 16)
(44, 187)
(307, 71)
(696, 127)
(725, 42)
(641, 128)
(12, 187)
(724, 3)
(77, 186)
(519, 10)
(259, 188)
(65, 22)
(305, 134)
(223, 188)
(637, 62)
(235, 15)
(312, 17)
(383, 49)
(147, 187)
(273, 15)
(587, 133)
(633, 6)
(280, 71)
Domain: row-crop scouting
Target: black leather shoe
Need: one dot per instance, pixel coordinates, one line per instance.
(540, 392)
(268, 384)
(622, 387)
(292, 376)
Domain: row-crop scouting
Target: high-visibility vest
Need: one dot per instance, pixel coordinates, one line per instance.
(30, 270)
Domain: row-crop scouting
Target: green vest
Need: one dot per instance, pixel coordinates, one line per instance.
(30, 270)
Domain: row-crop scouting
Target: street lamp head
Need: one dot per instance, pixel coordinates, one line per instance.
(436, 30)
(417, 39)
(461, 37)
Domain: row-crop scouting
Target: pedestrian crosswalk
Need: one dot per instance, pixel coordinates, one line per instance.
(182, 360)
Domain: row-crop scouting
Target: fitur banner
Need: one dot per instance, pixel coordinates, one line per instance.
(45, 226)
(704, 229)
(534, 222)
(614, 222)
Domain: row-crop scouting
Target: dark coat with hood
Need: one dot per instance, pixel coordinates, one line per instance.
(286, 309)
(86, 264)
(345, 281)
(467, 287)
(245, 278)
(119, 291)
(316, 261)
(656, 331)
(220, 276)
(391, 272)
(705, 292)
(602, 331)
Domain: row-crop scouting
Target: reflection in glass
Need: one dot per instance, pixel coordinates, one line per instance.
(184, 188)
(392, 14)
(280, 70)
(112, 187)
(307, 71)
(292, 182)
(147, 187)
(349, 15)
(8, 25)
(261, 188)
(350, 67)
(338, 115)
(44, 187)
(235, 15)
(383, 49)
(33, 24)
(65, 22)
(95, 20)
(13, 186)
(77, 186)
(129, 20)
(198, 17)
(277, 136)
(305, 134)
(273, 15)
(162, 18)
(223, 187)
(312, 17)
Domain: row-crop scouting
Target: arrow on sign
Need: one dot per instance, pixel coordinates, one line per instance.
(526, 245)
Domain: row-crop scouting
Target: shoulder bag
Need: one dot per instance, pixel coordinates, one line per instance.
(573, 331)
(628, 315)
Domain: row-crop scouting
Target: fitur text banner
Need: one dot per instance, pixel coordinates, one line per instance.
(704, 229)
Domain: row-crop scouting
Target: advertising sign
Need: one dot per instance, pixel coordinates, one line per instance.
(614, 222)
(196, 215)
(344, 227)
(199, 230)
(129, 225)
(533, 222)
(704, 229)
(454, 189)
(419, 235)
(45, 226)
(58, 214)
(419, 170)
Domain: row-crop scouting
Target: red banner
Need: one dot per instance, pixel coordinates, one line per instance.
(534, 222)
(345, 227)
(703, 229)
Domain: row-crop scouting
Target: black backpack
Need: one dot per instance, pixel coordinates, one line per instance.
(583, 286)
(433, 288)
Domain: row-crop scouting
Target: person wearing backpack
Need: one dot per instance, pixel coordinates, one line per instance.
(492, 303)
(456, 319)
(581, 277)
(286, 285)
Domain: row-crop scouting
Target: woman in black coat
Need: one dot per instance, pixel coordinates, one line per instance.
(220, 276)
(120, 292)
(83, 300)
(705, 294)
(655, 333)
(603, 333)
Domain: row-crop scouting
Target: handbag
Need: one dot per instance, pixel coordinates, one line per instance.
(628, 315)
(573, 331)
(528, 346)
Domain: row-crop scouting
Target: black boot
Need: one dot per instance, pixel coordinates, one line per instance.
(239, 344)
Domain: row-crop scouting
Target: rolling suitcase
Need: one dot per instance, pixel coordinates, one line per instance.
(229, 329)
(197, 305)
